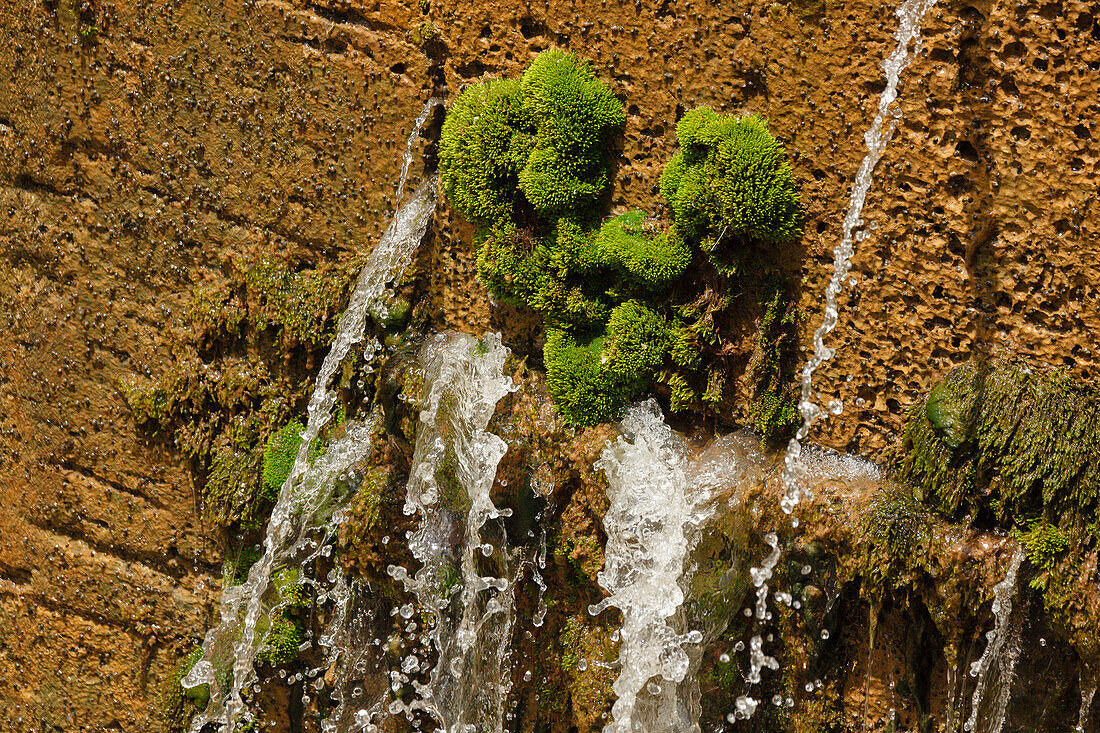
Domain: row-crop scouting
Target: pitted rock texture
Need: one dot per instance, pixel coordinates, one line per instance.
(145, 144)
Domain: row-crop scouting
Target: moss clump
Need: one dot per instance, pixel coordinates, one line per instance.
(281, 643)
(774, 408)
(178, 704)
(899, 533)
(730, 184)
(591, 380)
(1002, 437)
(1000, 442)
(575, 116)
(485, 142)
(279, 456)
(527, 162)
(554, 273)
(644, 253)
(1045, 544)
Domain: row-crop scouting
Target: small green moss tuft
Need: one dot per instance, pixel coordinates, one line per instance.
(281, 643)
(279, 456)
(569, 164)
(486, 140)
(771, 369)
(730, 184)
(425, 34)
(178, 704)
(591, 380)
(1045, 544)
(642, 251)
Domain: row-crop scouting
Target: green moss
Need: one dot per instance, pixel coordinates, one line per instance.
(569, 163)
(486, 140)
(729, 185)
(774, 408)
(898, 529)
(366, 505)
(528, 163)
(548, 274)
(300, 304)
(642, 251)
(281, 642)
(425, 34)
(1002, 437)
(233, 492)
(1045, 544)
(279, 455)
(591, 380)
(178, 705)
(290, 588)
(236, 565)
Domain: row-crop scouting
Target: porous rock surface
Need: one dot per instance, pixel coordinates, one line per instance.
(146, 143)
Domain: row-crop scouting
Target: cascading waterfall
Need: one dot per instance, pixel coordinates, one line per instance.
(996, 668)
(877, 137)
(660, 501)
(306, 512)
(464, 582)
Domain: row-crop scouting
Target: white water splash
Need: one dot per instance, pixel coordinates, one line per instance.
(659, 502)
(453, 469)
(302, 520)
(996, 668)
(910, 14)
(1087, 696)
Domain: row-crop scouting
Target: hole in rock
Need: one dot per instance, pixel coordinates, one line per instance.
(965, 150)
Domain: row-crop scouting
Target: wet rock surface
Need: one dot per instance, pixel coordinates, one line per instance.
(145, 146)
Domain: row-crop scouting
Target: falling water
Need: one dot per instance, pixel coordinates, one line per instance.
(996, 668)
(303, 517)
(910, 14)
(660, 500)
(1087, 696)
(464, 579)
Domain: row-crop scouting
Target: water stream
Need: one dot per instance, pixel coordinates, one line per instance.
(465, 579)
(910, 13)
(996, 669)
(663, 500)
(302, 521)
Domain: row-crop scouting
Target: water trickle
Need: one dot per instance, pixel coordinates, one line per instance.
(877, 137)
(467, 592)
(302, 523)
(910, 14)
(1087, 696)
(996, 668)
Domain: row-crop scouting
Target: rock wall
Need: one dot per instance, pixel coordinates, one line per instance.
(145, 146)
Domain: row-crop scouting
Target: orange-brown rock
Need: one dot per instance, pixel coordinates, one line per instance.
(144, 144)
